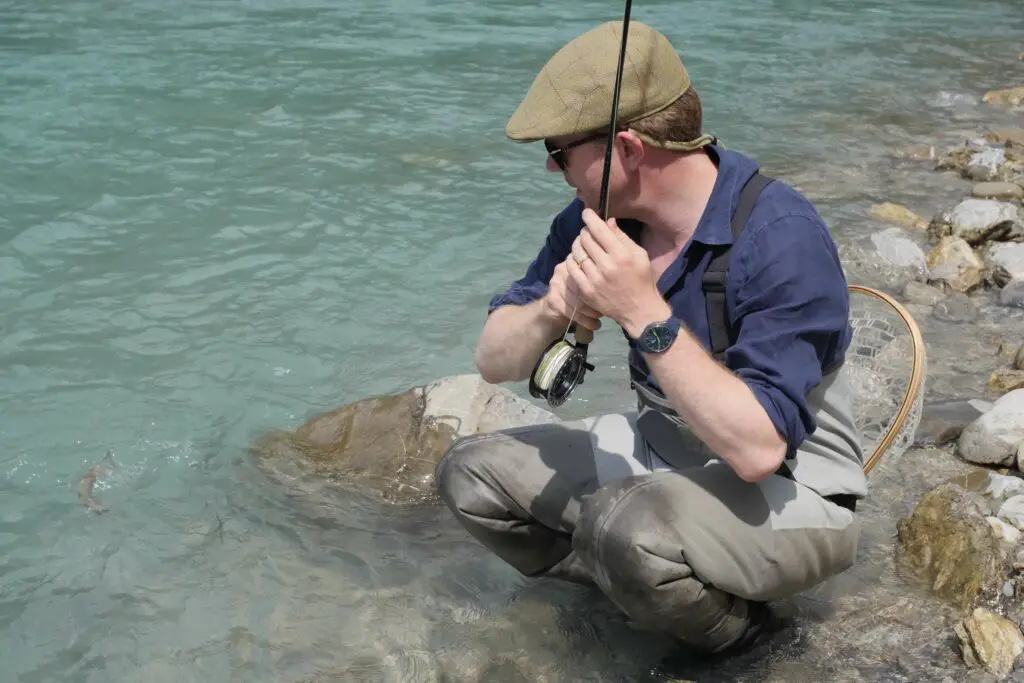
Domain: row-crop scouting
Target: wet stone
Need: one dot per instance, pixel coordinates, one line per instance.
(949, 542)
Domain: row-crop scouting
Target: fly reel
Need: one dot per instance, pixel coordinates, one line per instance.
(561, 368)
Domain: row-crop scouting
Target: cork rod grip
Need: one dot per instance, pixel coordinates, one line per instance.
(583, 335)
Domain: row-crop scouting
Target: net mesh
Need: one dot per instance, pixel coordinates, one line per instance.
(880, 366)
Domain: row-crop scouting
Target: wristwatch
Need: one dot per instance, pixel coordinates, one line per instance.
(658, 336)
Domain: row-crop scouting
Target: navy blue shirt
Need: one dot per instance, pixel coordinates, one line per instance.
(786, 294)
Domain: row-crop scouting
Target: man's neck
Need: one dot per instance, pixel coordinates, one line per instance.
(676, 195)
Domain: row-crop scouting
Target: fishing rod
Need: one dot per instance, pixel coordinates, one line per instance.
(562, 366)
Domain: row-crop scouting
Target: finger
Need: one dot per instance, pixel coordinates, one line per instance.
(600, 231)
(614, 225)
(592, 324)
(592, 249)
(578, 279)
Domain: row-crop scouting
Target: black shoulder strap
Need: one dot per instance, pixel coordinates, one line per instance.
(714, 277)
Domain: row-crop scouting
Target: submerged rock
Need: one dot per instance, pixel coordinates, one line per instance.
(1011, 97)
(1013, 294)
(919, 293)
(389, 445)
(943, 422)
(990, 641)
(956, 308)
(1013, 137)
(898, 214)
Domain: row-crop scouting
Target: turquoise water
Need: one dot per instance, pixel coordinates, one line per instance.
(220, 218)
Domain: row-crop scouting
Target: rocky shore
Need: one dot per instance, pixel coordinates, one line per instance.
(939, 591)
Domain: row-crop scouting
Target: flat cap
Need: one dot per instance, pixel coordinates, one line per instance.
(574, 91)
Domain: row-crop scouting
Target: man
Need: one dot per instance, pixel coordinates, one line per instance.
(735, 482)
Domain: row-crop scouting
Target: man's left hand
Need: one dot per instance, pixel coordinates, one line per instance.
(613, 274)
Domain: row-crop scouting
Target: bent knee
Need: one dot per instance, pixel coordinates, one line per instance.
(614, 521)
(457, 469)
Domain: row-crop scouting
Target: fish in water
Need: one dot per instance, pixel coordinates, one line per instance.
(86, 483)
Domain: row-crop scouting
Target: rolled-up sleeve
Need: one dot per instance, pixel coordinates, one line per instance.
(791, 317)
(534, 284)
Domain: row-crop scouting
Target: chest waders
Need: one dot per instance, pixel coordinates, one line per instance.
(713, 284)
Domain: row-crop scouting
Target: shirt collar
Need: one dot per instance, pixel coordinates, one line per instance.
(734, 169)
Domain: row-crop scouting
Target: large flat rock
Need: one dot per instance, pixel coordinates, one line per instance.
(389, 445)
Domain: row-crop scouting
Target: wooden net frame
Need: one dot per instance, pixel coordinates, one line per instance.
(878, 341)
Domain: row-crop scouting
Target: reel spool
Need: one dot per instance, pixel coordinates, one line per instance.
(562, 365)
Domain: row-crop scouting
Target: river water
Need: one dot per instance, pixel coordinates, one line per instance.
(220, 218)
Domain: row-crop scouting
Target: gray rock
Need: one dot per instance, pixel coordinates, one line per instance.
(999, 191)
(1013, 294)
(976, 221)
(1005, 262)
(896, 247)
(992, 439)
(956, 308)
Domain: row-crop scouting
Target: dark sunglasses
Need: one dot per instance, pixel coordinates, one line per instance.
(557, 154)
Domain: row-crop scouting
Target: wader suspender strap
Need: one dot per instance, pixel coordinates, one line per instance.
(714, 277)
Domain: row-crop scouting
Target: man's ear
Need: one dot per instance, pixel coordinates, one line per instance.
(632, 148)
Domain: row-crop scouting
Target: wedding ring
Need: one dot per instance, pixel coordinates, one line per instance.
(579, 261)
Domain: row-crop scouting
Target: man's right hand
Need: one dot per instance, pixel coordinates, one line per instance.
(561, 299)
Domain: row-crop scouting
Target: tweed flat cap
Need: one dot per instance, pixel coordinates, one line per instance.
(573, 93)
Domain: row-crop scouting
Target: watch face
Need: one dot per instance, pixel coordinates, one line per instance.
(657, 338)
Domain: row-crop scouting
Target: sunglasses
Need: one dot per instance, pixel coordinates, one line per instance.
(558, 154)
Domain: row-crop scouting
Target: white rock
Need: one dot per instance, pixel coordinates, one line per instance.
(1020, 456)
(1001, 486)
(985, 165)
(981, 406)
(1006, 262)
(898, 249)
(469, 405)
(972, 218)
(1004, 531)
(992, 438)
(1012, 511)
